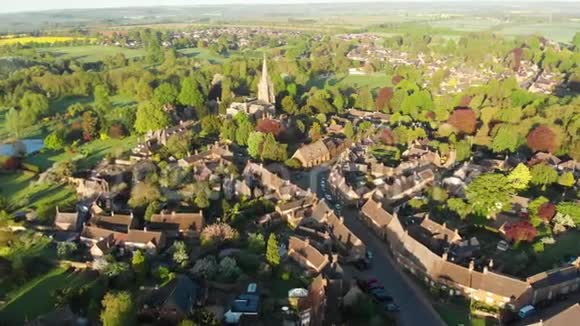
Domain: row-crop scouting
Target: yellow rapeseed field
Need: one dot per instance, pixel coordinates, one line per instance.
(40, 39)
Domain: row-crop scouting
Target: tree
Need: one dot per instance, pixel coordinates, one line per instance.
(165, 93)
(547, 211)
(439, 194)
(210, 125)
(216, 233)
(562, 222)
(89, 125)
(243, 132)
(139, 265)
(272, 251)
(383, 98)
(489, 194)
(459, 206)
(506, 139)
(152, 209)
(180, 144)
(269, 126)
(364, 99)
(65, 249)
(543, 175)
(542, 138)
(150, 118)
(201, 198)
(255, 142)
(180, 255)
(205, 267)
(256, 242)
(348, 130)
(567, 179)
(103, 104)
(118, 309)
(15, 122)
(228, 269)
(33, 106)
(571, 209)
(190, 94)
(55, 140)
(315, 132)
(228, 130)
(520, 177)
(272, 150)
(464, 120)
(289, 105)
(521, 231)
(143, 193)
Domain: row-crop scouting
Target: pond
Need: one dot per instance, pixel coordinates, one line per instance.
(26, 145)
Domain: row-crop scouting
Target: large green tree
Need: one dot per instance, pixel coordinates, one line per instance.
(165, 93)
(543, 175)
(190, 94)
(489, 194)
(272, 252)
(150, 117)
(520, 177)
(118, 309)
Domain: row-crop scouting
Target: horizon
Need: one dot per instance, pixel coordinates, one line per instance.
(31, 6)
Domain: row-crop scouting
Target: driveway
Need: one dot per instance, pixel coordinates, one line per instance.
(415, 307)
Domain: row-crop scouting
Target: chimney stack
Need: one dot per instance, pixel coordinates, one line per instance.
(471, 265)
(444, 256)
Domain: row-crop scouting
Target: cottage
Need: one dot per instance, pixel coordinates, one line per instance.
(114, 222)
(149, 241)
(312, 154)
(376, 217)
(67, 221)
(306, 255)
(175, 224)
(570, 316)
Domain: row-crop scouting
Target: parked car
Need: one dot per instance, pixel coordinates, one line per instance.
(369, 284)
(381, 295)
(365, 262)
(502, 245)
(391, 307)
(526, 311)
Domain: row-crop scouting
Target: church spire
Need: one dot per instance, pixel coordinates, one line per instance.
(266, 92)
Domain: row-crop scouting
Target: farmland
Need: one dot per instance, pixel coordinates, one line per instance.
(91, 53)
(41, 39)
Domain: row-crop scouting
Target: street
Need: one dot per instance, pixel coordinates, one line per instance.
(415, 307)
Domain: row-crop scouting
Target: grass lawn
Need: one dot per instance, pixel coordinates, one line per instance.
(281, 287)
(95, 151)
(35, 297)
(552, 256)
(373, 81)
(91, 53)
(21, 192)
(467, 24)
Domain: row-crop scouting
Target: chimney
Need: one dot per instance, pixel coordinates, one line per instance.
(490, 264)
(471, 265)
(485, 270)
(307, 240)
(444, 256)
(445, 224)
(112, 213)
(57, 211)
(379, 205)
(341, 219)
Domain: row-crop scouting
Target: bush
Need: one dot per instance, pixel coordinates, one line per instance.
(229, 270)
(205, 268)
(217, 233)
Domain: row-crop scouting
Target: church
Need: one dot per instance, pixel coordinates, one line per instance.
(262, 106)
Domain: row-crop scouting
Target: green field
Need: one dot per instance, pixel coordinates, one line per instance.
(91, 53)
(35, 298)
(467, 24)
(21, 191)
(557, 31)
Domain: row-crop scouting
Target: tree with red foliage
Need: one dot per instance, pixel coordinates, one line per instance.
(547, 211)
(89, 124)
(520, 231)
(12, 163)
(542, 138)
(517, 58)
(388, 137)
(269, 126)
(384, 98)
(396, 79)
(464, 120)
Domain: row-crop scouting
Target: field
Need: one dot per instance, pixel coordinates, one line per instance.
(21, 191)
(559, 31)
(35, 298)
(92, 53)
(468, 24)
(40, 39)
(373, 81)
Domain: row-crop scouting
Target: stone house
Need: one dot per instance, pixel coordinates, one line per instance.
(306, 255)
(176, 224)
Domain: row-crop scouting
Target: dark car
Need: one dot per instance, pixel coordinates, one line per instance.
(381, 295)
(391, 307)
(369, 284)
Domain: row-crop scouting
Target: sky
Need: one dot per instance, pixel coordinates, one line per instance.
(36, 5)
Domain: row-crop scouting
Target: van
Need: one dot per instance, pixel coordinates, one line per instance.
(526, 311)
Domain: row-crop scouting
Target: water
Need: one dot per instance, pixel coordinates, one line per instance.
(27, 145)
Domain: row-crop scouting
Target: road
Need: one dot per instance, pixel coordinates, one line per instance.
(415, 307)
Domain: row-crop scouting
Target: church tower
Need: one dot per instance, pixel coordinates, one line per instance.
(266, 87)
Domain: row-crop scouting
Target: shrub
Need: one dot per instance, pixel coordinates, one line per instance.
(229, 270)
(547, 211)
(217, 233)
(542, 138)
(205, 268)
(464, 120)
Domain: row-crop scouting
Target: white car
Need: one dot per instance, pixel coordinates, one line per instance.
(502, 245)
